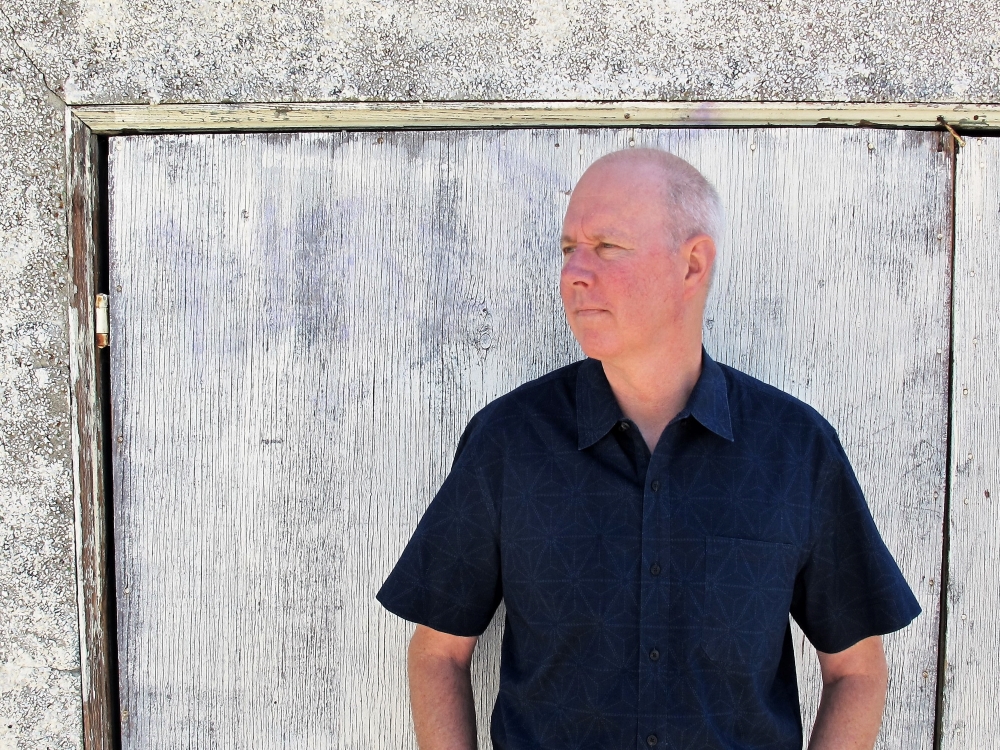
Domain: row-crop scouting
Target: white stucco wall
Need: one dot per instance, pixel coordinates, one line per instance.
(112, 51)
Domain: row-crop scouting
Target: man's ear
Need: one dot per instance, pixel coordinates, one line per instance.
(699, 252)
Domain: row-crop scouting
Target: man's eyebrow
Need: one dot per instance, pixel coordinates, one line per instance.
(607, 236)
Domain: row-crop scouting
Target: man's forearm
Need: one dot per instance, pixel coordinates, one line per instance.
(444, 713)
(850, 714)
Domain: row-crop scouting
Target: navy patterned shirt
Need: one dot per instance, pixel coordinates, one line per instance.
(648, 595)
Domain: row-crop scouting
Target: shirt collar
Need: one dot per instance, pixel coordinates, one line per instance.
(597, 411)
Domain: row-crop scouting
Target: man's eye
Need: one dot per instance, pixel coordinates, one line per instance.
(567, 249)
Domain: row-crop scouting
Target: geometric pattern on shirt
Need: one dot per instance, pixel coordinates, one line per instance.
(648, 594)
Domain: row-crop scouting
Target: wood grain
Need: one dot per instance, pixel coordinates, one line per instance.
(971, 689)
(87, 430)
(160, 118)
(306, 321)
(837, 291)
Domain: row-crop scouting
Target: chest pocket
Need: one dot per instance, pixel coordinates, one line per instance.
(748, 590)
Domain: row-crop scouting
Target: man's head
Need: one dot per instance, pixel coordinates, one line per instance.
(639, 242)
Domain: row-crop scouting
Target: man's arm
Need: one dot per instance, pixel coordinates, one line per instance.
(444, 714)
(854, 686)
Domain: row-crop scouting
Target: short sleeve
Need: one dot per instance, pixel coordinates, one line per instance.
(849, 587)
(448, 577)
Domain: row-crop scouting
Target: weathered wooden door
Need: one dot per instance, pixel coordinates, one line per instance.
(302, 324)
(971, 688)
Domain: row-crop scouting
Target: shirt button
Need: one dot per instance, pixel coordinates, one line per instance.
(651, 740)
(654, 569)
(654, 654)
(654, 485)
(623, 426)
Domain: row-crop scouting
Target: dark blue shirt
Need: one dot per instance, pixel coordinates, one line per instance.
(648, 596)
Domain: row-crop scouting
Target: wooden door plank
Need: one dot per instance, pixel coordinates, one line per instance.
(971, 689)
(307, 321)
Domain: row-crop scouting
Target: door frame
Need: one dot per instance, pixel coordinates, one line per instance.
(87, 129)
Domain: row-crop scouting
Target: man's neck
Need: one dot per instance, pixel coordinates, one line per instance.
(653, 389)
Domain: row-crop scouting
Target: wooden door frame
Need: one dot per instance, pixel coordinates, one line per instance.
(86, 126)
(89, 423)
(188, 118)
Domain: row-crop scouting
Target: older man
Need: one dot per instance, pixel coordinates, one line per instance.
(650, 519)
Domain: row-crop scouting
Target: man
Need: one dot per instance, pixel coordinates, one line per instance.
(650, 519)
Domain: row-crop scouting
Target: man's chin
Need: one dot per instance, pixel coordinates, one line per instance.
(597, 347)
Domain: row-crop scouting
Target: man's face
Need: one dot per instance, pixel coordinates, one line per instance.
(621, 283)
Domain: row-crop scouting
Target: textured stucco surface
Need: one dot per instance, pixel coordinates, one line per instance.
(39, 652)
(112, 51)
(253, 50)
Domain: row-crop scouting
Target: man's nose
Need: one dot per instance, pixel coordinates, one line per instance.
(578, 268)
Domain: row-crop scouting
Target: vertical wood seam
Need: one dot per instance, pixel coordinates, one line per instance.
(942, 660)
(87, 437)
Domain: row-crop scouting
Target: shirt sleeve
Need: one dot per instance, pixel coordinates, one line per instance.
(849, 587)
(448, 577)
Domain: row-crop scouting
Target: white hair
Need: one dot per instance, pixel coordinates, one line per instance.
(695, 205)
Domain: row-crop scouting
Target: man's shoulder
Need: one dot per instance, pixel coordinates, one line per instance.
(756, 405)
(549, 397)
(552, 391)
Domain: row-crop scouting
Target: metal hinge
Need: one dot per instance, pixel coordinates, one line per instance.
(101, 326)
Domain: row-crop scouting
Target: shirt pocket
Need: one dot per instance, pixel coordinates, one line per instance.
(748, 592)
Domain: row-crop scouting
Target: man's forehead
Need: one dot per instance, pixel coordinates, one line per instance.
(616, 190)
(611, 213)
(600, 231)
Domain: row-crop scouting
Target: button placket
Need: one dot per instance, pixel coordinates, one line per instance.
(654, 615)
